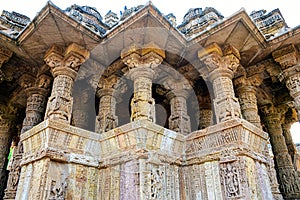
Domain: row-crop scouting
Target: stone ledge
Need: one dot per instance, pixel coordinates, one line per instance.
(232, 134)
(66, 143)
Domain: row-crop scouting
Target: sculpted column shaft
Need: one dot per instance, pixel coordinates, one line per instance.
(288, 58)
(246, 91)
(288, 178)
(179, 120)
(106, 119)
(141, 63)
(64, 68)
(36, 103)
(219, 69)
(142, 104)
(35, 108)
(205, 111)
(6, 123)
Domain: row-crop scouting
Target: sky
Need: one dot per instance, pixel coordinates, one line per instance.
(179, 8)
(288, 8)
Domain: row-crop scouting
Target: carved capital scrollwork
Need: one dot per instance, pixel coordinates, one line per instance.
(54, 57)
(226, 61)
(231, 57)
(149, 55)
(72, 58)
(44, 81)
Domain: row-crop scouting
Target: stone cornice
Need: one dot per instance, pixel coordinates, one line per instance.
(287, 56)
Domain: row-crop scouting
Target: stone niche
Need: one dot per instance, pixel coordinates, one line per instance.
(142, 160)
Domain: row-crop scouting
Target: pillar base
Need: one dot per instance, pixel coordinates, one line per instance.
(142, 160)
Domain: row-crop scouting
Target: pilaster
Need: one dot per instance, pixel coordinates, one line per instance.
(141, 63)
(64, 67)
(219, 69)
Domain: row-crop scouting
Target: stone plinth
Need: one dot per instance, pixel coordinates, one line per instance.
(226, 161)
(129, 162)
(142, 160)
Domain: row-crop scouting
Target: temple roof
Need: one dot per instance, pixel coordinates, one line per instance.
(85, 26)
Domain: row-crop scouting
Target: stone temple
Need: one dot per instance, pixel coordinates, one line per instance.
(139, 106)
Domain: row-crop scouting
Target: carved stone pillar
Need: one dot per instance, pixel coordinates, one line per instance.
(246, 92)
(6, 123)
(141, 64)
(64, 68)
(5, 55)
(35, 108)
(288, 58)
(106, 119)
(205, 111)
(109, 90)
(179, 120)
(219, 69)
(288, 178)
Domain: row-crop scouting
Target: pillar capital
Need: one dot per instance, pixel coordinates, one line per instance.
(273, 113)
(65, 62)
(177, 88)
(26, 81)
(112, 86)
(149, 55)
(217, 62)
(251, 82)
